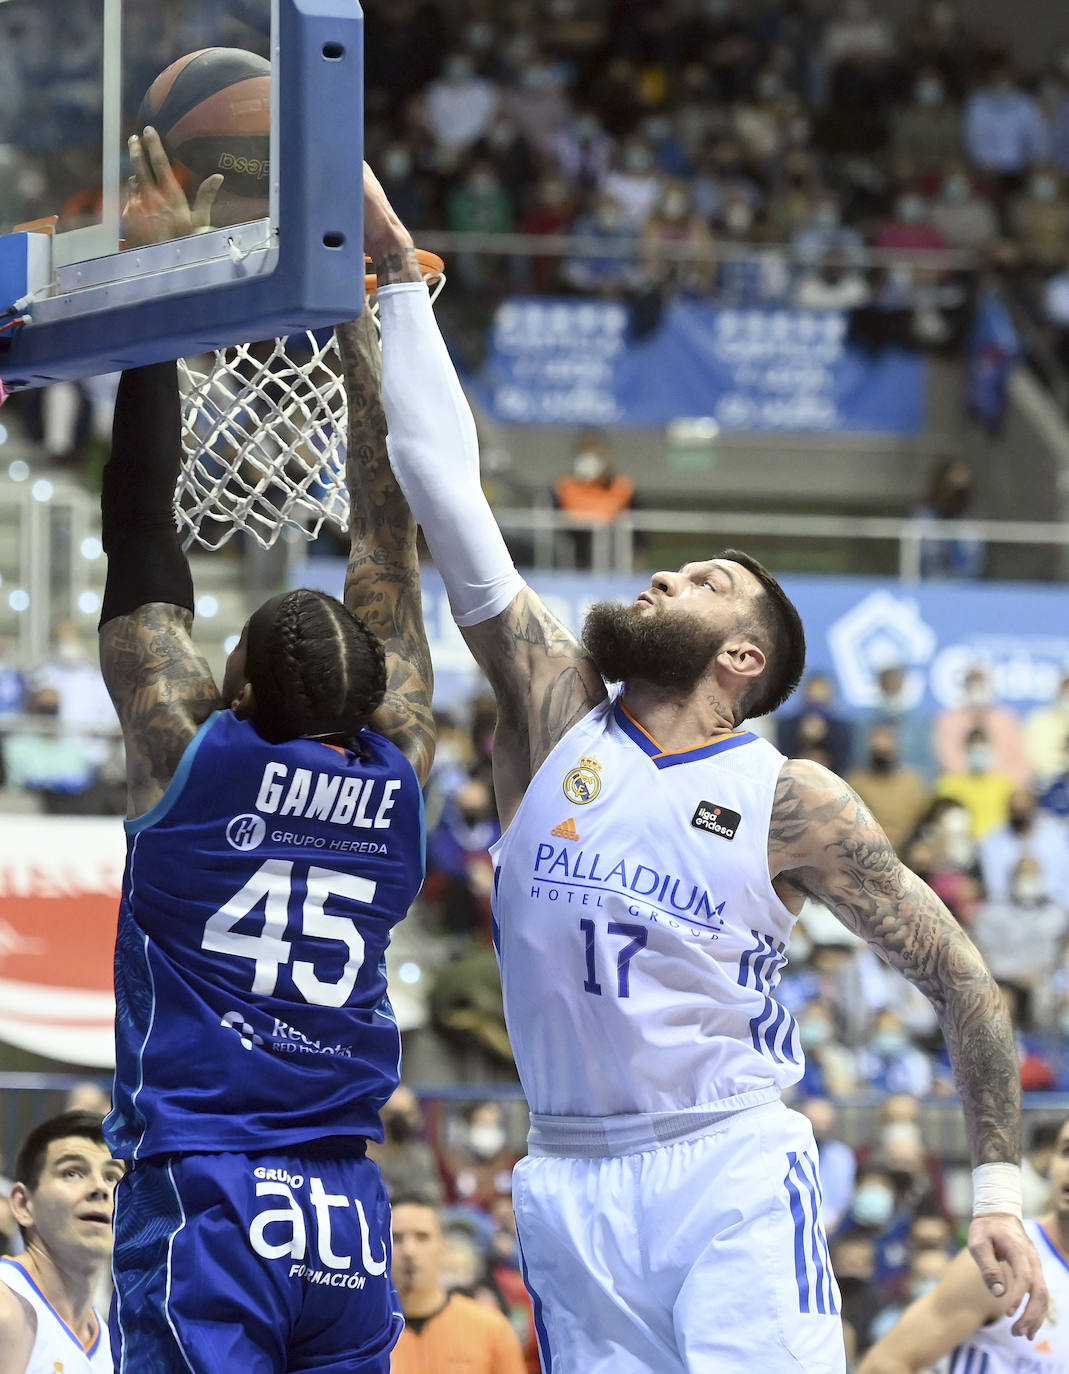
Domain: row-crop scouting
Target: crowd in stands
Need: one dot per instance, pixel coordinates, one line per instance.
(722, 130)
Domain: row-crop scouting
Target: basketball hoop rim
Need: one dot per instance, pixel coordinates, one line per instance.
(431, 265)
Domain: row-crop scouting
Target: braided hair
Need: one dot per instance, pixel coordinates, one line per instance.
(316, 669)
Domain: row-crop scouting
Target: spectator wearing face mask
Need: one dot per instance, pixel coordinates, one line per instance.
(978, 709)
(1039, 219)
(926, 1268)
(824, 233)
(616, 269)
(635, 181)
(1028, 833)
(874, 1216)
(1005, 132)
(459, 106)
(979, 787)
(853, 1258)
(404, 1157)
(964, 218)
(830, 1067)
(677, 226)
(1046, 730)
(910, 228)
(1022, 934)
(480, 1164)
(890, 1062)
(816, 729)
(895, 795)
(947, 553)
(594, 493)
(926, 130)
(897, 698)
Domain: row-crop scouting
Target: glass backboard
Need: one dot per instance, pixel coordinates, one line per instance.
(266, 93)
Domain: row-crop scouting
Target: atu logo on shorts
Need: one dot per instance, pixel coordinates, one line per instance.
(583, 784)
(246, 832)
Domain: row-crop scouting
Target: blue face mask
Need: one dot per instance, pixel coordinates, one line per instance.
(873, 1205)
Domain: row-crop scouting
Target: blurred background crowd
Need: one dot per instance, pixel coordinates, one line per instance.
(753, 153)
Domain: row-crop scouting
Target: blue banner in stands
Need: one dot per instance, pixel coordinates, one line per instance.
(577, 362)
(854, 626)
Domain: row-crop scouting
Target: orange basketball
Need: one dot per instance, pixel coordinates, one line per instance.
(212, 109)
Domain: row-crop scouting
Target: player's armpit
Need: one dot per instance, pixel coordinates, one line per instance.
(824, 840)
(936, 1324)
(382, 580)
(163, 692)
(18, 1329)
(543, 680)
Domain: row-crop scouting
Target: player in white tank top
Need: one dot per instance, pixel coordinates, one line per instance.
(960, 1319)
(654, 1059)
(63, 1201)
(635, 917)
(57, 1349)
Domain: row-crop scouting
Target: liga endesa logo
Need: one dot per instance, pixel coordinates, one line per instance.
(716, 820)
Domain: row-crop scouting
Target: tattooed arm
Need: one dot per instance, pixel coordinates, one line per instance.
(542, 678)
(161, 686)
(825, 843)
(382, 580)
(163, 692)
(543, 682)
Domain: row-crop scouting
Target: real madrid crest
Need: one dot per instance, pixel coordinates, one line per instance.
(583, 783)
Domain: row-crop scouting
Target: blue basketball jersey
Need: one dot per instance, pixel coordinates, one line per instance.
(250, 975)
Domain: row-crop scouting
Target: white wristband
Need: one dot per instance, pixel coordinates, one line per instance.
(996, 1188)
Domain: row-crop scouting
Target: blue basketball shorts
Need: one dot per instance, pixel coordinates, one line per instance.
(702, 1256)
(263, 1264)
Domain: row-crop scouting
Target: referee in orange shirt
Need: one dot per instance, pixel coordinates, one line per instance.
(443, 1331)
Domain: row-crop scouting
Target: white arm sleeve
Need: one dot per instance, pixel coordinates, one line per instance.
(434, 452)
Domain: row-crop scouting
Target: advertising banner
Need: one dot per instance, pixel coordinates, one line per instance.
(559, 361)
(60, 882)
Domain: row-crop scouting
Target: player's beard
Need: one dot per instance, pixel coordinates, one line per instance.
(632, 643)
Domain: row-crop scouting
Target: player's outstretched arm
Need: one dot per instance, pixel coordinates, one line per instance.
(161, 685)
(825, 842)
(541, 676)
(382, 580)
(936, 1324)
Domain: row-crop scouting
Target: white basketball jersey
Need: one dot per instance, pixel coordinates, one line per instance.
(57, 1350)
(639, 935)
(995, 1350)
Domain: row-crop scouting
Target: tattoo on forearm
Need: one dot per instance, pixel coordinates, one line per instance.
(382, 582)
(862, 879)
(162, 689)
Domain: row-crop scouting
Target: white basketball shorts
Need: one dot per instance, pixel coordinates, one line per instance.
(701, 1256)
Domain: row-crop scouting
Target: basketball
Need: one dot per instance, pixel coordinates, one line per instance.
(212, 109)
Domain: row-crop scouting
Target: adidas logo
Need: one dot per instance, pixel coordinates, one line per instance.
(566, 830)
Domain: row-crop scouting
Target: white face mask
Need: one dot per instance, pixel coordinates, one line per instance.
(1028, 888)
(71, 651)
(978, 694)
(589, 466)
(980, 758)
(486, 1139)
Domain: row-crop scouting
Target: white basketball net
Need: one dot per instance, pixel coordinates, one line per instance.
(263, 439)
